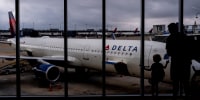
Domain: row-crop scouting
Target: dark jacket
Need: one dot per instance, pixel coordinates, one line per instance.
(179, 48)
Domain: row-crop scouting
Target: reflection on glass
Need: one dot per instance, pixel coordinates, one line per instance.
(156, 20)
(7, 53)
(84, 48)
(123, 47)
(42, 48)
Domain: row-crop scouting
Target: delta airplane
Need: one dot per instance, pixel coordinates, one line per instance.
(122, 56)
(135, 33)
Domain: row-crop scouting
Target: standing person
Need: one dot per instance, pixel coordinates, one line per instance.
(177, 46)
(157, 73)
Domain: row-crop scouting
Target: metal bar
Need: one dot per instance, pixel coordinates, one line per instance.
(181, 2)
(103, 46)
(18, 88)
(142, 48)
(65, 48)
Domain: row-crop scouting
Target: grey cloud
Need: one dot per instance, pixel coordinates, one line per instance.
(88, 13)
(84, 13)
(42, 13)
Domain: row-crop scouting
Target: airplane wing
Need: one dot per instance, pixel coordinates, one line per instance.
(113, 62)
(5, 42)
(55, 58)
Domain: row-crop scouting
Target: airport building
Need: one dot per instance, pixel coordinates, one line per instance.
(159, 29)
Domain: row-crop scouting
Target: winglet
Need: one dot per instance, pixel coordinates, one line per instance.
(12, 23)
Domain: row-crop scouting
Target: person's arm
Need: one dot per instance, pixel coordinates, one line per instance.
(166, 63)
(148, 68)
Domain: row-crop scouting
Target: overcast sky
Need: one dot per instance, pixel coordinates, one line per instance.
(82, 14)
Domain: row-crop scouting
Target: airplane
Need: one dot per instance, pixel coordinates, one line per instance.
(122, 56)
(135, 33)
(136, 30)
(150, 31)
(113, 34)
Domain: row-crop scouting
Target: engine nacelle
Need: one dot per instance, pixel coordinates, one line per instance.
(47, 71)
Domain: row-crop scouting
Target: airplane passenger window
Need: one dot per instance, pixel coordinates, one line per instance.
(118, 53)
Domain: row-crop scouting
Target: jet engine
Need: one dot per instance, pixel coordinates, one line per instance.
(47, 71)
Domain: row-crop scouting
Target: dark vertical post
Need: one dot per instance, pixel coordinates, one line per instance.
(180, 25)
(103, 45)
(142, 48)
(181, 15)
(65, 48)
(18, 89)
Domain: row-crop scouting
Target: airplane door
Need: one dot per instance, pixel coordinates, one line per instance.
(85, 52)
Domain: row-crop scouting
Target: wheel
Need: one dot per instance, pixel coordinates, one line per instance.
(81, 73)
(22, 70)
(7, 72)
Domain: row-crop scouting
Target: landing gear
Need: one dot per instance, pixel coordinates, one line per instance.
(7, 72)
(81, 73)
(54, 85)
(81, 70)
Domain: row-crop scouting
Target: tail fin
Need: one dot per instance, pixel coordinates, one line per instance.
(113, 34)
(136, 30)
(151, 30)
(12, 23)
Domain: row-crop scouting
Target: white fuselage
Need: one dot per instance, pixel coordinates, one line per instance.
(88, 52)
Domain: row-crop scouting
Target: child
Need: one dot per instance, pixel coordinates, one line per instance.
(157, 73)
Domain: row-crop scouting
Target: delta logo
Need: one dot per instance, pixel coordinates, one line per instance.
(122, 48)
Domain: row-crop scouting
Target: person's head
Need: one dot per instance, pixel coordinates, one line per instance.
(173, 28)
(156, 58)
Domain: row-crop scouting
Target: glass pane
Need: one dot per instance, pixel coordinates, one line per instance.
(159, 14)
(7, 66)
(192, 29)
(84, 50)
(123, 54)
(42, 25)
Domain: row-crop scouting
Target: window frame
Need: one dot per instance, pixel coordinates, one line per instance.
(18, 83)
